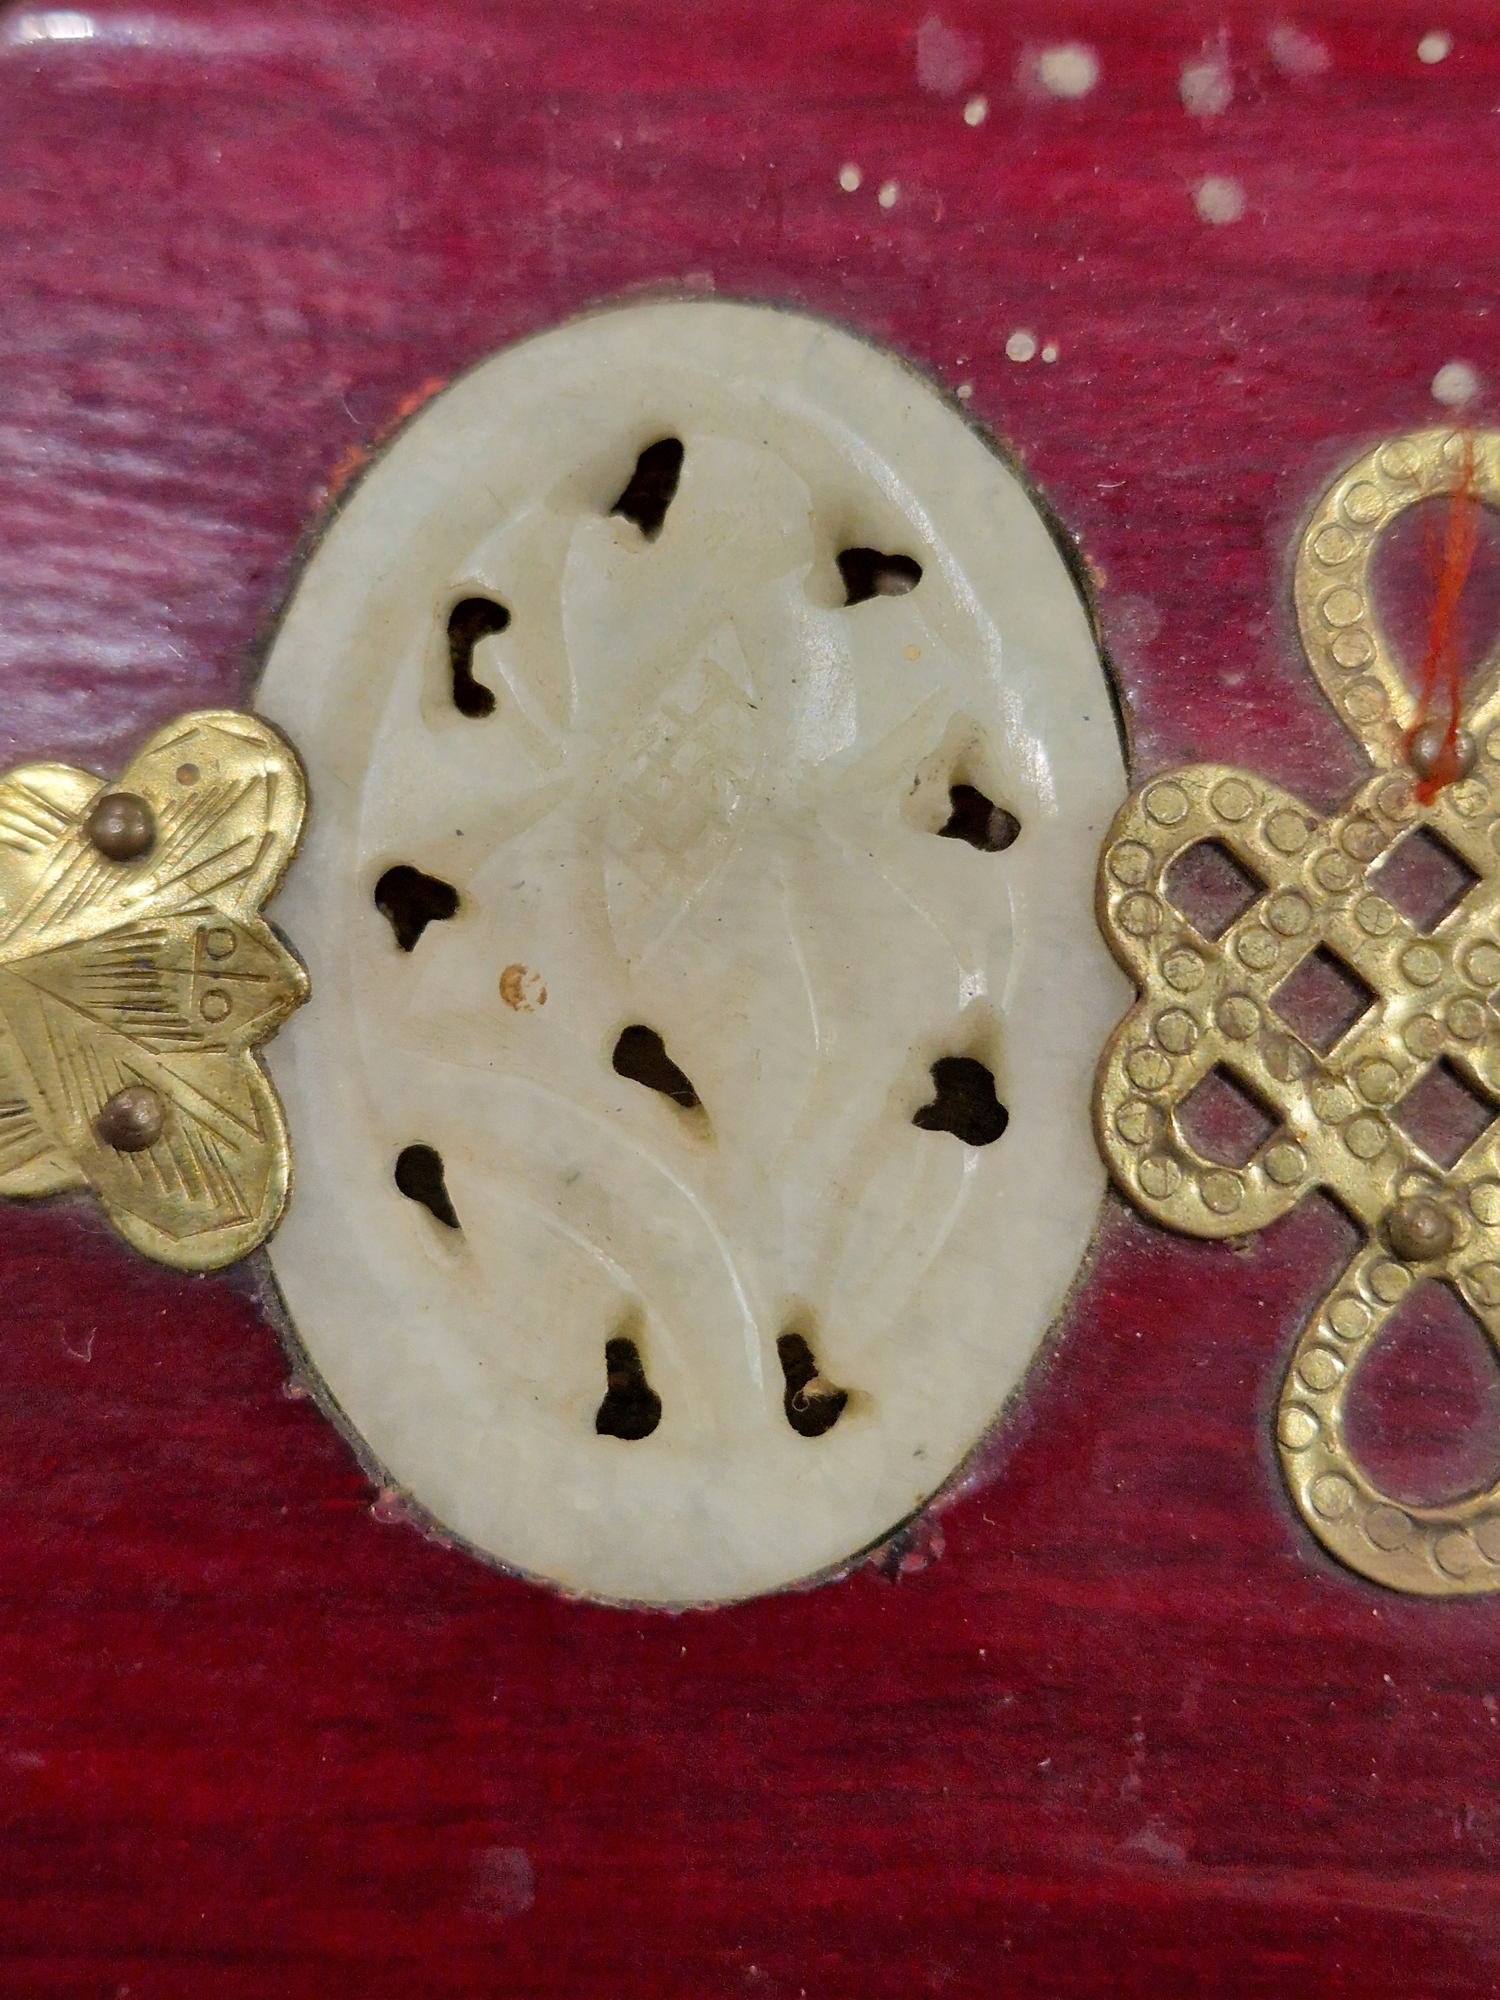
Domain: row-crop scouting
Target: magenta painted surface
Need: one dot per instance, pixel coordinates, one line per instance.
(1129, 1733)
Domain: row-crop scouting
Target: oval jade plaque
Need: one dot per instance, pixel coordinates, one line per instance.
(708, 757)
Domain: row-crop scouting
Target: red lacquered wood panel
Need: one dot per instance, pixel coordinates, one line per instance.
(1115, 1726)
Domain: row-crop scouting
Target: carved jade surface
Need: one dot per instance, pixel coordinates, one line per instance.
(741, 1118)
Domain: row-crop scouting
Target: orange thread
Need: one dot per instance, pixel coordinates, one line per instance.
(1442, 669)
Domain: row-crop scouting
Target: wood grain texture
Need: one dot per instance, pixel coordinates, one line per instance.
(1128, 1733)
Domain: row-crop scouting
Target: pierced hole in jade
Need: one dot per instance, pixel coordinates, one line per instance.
(641, 1055)
(652, 487)
(964, 1102)
(631, 1408)
(869, 573)
(979, 820)
(473, 619)
(419, 1176)
(812, 1404)
(410, 901)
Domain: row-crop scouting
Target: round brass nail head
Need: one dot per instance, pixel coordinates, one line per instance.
(1427, 747)
(1419, 1229)
(121, 825)
(132, 1119)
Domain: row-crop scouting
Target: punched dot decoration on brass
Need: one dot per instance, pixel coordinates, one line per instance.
(1387, 1097)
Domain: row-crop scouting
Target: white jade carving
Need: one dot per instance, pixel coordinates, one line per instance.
(673, 798)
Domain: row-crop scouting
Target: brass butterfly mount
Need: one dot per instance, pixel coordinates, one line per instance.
(136, 977)
(1207, 1003)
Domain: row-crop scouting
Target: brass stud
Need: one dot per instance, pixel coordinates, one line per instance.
(121, 825)
(1426, 748)
(132, 1119)
(1419, 1229)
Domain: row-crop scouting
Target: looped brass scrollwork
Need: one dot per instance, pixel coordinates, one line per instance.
(1211, 1002)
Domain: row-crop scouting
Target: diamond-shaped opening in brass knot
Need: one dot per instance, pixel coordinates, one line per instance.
(1445, 1114)
(1322, 999)
(1424, 878)
(1223, 1121)
(1423, 1413)
(1211, 888)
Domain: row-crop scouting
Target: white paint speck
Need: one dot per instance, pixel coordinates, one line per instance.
(1049, 352)
(1067, 69)
(1455, 383)
(1021, 345)
(1295, 52)
(1206, 86)
(1219, 199)
(976, 110)
(964, 391)
(1156, 1845)
(1134, 621)
(849, 177)
(502, 1882)
(946, 59)
(890, 194)
(1435, 47)
(52, 28)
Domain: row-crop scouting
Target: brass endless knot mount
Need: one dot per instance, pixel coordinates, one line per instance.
(135, 978)
(1208, 1003)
